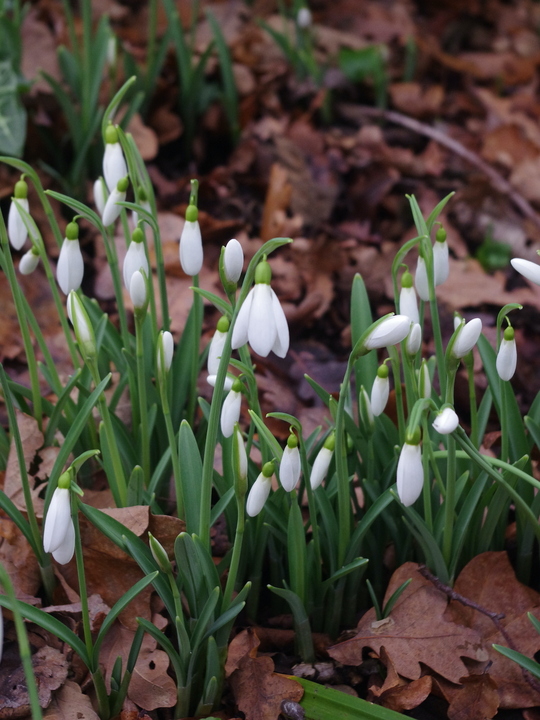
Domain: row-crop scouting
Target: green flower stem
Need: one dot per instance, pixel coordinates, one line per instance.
(144, 435)
(97, 676)
(450, 499)
(7, 264)
(24, 646)
(469, 363)
(396, 372)
(236, 554)
(118, 482)
(160, 269)
(503, 419)
(173, 444)
(426, 492)
(112, 259)
(196, 342)
(312, 506)
(344, 499)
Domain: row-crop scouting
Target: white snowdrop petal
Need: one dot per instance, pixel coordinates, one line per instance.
(467, 338)
(70, 266)
(507, 359)
(233, 260)
(28, 263)
(230, 412)
(281, 344)
(421, 280)
(446, 421)
(441, 267)
(112, 211)
(191, 249)
(240, 330)
(114, 165)
(528, 269)
(227, 385)
(389, 332)
(262, 325)
(135, 260)
(410, 474)
(320, 467)
(66, 550)
(57, 520)
(258, 495)
(408, 304)
(289, 468)
(215, 350)
(137, 289)
(100, 195)
(414, 339)
(17, 232)
(379, 395)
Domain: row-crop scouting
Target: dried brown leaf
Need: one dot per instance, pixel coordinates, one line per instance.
(477, 698)
(70, 703)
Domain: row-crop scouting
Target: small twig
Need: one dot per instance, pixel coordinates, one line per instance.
(500, 183)
(495, 617)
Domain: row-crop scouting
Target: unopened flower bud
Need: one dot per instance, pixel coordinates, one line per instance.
(390, 331)
(29, 262)
(507, 355)
(446, 421)
(233, 261)
(421, 279)
(322, 462)
(16, 228)
(290, 466)
(380, 391)
(70, 266)
(467, 338)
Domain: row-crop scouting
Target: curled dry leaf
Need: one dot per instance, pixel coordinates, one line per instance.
(70, 703)
(50, 670)
(416, 632)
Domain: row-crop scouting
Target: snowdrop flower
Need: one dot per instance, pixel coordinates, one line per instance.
(467, 338)
(507, 355)
(380, 391)
(100, 195)
(446, 421)
(112, 210)
(137, 291)
(441, 267)
(390, 331)
(260, 490)
(230, 412)
(84, 332)
(233, 261)
(528, 269)
(261, 320)
(135, 257)
(424, 381)
(191, 249)
(410, 473)
(70, 266)
(421, 279)
(58, 531)
(29, 262)
(322, 462)
(227, 385)
(165, 351)
(407, 298)
(240, 462)
(217, 344)
(114, 165)
(290, 468)
(304, 18)
(16, 228)
(414, 340)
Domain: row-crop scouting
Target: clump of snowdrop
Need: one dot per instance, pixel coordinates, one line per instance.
(16, 228)
(290, 467)
(70, 266)
(507, 355)
(135, 257)
(261, 320)
(58, 531)
(114, 164)
(260, 490)
(322, 462)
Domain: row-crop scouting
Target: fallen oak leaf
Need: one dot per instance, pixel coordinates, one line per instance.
(477, 698)
(70, 703)
(416, 632)
(50, 670)
(396, 693)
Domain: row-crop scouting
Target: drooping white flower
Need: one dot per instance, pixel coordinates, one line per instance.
(230, 412)
(227, 385)
(58, 532)
(135, 257)
(138, 291)
(380, 391)
(114, 165)
(414, 339)
(446, 421)
(16, 229)
(261, 320)
(441, 267)
(84, 332)
(70, 266)
(390, 331)
(304, 18)
(467, 338)
(260, 490)
(216, 345)
(29, 262)
(100, 195)
(421, 279)
(507, 355)
(191, 248)
(290, 467)
(408, 304)
(112, 210)
(233, 260)
(165, 351)
(410, 474)
(142, 200)
(242, 468)
(528, 269)
(322, 462)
